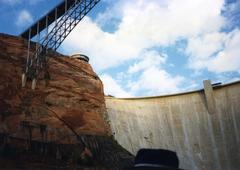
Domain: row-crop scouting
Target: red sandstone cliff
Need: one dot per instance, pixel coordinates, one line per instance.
(60, 125)
(74, 98)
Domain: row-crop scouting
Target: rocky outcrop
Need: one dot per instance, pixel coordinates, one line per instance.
(74, 96)
(55, 116)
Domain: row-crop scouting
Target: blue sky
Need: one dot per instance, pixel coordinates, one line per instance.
(147, 47)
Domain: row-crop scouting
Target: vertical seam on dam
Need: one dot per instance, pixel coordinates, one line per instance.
(202, 140)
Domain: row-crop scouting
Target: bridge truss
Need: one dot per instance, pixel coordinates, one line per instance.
(49, 32)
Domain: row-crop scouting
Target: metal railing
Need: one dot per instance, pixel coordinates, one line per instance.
(74, 12)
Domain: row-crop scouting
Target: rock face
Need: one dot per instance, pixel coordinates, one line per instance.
(74, 97)
(70, 106)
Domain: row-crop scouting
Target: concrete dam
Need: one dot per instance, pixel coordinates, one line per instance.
(201, 126)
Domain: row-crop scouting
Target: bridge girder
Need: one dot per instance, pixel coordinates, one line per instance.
(49, 32)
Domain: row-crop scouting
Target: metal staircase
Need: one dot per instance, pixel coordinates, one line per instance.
(49, 32)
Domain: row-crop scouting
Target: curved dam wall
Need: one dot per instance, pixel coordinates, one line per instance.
(202, 126)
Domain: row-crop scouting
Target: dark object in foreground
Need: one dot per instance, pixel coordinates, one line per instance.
(158, 159)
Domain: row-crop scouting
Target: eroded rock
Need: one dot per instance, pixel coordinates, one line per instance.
(51, 122)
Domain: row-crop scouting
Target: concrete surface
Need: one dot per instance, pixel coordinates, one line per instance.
(203, 128)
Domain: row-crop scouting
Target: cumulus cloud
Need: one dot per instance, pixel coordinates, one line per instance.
(111, 87)
(151, 81)
(229, 58)
(149, 59)
(105, 49)
(217, 52)
(24, 18)
(143, 25)
(156, 81)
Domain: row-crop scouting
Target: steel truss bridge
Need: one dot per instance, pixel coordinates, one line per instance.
(49, 32)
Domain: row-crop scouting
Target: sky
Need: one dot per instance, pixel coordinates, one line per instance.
(147, 47)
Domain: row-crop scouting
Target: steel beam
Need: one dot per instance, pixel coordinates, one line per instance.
(63, 18)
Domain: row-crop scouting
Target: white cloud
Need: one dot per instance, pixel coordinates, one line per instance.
(111, 14)
(143, 25)
(229, 58)
(217, 52)
(204, 46)
(156, 81)
(24, 18)
(152, 81)
(105, 50)
(111, 87)
(149, 59)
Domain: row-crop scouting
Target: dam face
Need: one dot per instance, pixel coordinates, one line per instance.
(203, 126)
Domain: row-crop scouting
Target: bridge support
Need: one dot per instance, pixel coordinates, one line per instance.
(62, 19)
